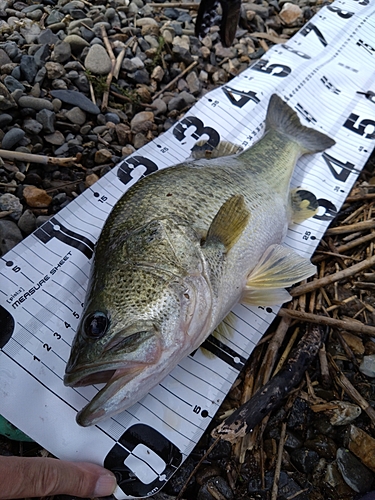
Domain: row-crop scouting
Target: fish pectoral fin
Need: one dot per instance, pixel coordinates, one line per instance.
(265, 297)
(304, 205)
(203, 149)
(278, 268)
(229, 223)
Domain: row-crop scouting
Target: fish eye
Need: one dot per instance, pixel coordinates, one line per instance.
(96, 324)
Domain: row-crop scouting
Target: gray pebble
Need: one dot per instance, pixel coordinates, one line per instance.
(32, 8)
(76, 99)
(354, 473)
(36, 103)
(181, 101)
(12, 137)
(40, 76)
(47, 119)
(28, 68)
(112, 117)
(5, 119)
(41, 219)
(54, 70)
(6, 99)
(16, 94)
(47, 36)
(10, 236)
(76, 115)
(41, 55)
(55, 17)
(367, 367)
(10, 202)
(27, 222)
(12, 84)
(4, 58)
(97, 60)
(77, 43)
(61, 52)
(32, 126)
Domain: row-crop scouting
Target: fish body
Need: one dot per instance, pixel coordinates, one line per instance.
(179, 250)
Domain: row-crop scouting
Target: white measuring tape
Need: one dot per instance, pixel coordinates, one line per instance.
(319, 72)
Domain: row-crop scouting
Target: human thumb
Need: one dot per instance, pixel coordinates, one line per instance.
(39, 477)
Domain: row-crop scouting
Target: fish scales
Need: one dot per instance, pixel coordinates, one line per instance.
(179, 250)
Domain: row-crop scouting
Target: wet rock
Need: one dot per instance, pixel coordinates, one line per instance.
(27, 222)
(219, 488)
(9, 202)
(76, 99)
(36, 198)
(305, 460)
(367, 367)
(12, 137)
(354, 473)
(97, 60)
(10, 236)
(344, 414)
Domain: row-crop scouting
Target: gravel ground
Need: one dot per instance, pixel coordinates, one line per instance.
(55, 58)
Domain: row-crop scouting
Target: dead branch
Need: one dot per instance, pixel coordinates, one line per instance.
(41, 159)
(327, 280)
(172, 82)
(246, 417)
(349, 324)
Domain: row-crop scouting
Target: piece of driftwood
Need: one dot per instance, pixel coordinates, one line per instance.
(243, 420)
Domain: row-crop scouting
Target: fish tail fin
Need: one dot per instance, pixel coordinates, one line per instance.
(282, 118)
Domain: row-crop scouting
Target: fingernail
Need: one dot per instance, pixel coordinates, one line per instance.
(105, 485)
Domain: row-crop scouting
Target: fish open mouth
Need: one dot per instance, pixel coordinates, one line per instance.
(108, 397)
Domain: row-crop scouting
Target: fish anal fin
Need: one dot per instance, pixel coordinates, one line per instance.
(202, 149)
(226, 327)
(304, 205)
(278, 268)
(229, 223)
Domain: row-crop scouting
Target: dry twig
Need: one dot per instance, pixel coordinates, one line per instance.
(172, 82)
(349, 324)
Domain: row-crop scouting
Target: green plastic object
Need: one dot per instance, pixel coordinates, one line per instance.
(10, 431)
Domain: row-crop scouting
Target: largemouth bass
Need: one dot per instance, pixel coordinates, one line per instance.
(179, 250)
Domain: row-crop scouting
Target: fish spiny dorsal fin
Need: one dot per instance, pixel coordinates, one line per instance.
(304, 205)
(229, 223)
(278, 268)
(284, 119)
(224, 148)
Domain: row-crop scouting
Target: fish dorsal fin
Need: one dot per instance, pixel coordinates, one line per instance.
(229, 223)
(304, 205)
(278, 268)
(224, 148)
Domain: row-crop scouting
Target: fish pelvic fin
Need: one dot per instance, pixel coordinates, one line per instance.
(202, 149)
(304, 205)
(282, 118)
(278, 268)
(229, 223)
